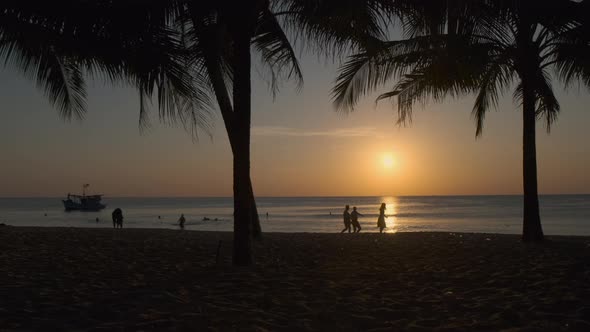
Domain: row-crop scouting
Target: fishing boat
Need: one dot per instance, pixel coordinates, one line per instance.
(83, 202)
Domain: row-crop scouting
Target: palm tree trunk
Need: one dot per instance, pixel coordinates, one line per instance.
(242, 254)
(531, 226)
(223, 100)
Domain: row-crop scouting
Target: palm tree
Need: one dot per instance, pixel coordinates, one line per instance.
(222, 34)
(484, 48)
(219, 36)
(208, 40)
(55, 46)
(59, 43)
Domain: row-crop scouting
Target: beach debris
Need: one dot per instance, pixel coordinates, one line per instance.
(488, 239)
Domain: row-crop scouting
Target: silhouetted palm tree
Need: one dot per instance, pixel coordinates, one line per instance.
(481, 47)
(208, 39)
(58, 43)
(219, 35)
(222, 34)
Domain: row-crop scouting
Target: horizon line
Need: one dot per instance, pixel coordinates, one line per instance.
(310, 196)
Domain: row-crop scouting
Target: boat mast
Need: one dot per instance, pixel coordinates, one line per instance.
(86, 185)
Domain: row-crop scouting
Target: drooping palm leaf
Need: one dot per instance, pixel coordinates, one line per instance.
(277, 51)
(117, 41)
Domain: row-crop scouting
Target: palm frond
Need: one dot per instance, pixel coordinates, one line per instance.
(381, 62)
(355, 79)
(571, 58)
(547, 104)
(117, 41)
(60, 78)
(332, 27)
(276, 50)
(210, 50)
(495, 81)
(144, 123)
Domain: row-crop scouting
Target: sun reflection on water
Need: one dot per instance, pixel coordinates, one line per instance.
(391, 204)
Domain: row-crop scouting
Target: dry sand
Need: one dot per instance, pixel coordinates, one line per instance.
(162, 280)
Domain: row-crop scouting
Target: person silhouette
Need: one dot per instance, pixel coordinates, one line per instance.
(346, 218)
(181, 221)
(381, 219)
(117, 218)
(354, 216)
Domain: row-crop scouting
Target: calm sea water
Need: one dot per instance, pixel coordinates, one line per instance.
(560, 214)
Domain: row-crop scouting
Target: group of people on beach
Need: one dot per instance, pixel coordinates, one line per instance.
(117, 216)
(352, 219)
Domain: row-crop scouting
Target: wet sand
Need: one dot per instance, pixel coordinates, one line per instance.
(165, 280)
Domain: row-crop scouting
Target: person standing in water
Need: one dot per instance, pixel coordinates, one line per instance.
(117, 218)
(381, 219)
(354, 216)
(181, 221)
(346, 217)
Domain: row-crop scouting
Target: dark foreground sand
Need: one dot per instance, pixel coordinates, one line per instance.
(128, 280)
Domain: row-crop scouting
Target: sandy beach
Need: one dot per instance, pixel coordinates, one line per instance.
(139, 279)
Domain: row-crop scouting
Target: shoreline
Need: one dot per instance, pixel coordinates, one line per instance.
(548, 237)
(99, 279)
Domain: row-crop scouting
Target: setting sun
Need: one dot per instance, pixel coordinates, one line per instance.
(388, 160)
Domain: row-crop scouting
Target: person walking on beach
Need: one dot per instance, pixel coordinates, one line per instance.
(354, 216)
(346, 217)
(117, 218)
(381, 219)
(181, 221)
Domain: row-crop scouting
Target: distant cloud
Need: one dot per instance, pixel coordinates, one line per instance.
(296, 132)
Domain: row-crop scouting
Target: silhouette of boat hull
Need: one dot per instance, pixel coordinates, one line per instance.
(83, 203)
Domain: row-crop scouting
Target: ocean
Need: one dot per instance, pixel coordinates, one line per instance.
(560, 214)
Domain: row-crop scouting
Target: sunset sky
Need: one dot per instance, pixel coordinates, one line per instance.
(300, 146)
